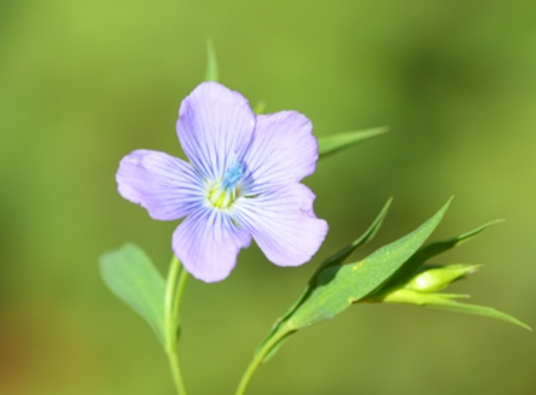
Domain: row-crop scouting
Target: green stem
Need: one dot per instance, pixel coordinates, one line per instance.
(258, 359)
(175, 286)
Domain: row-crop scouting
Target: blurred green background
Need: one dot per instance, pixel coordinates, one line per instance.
(84, 83)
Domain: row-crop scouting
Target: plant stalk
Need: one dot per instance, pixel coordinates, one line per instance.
(259, 358)
(175, 287)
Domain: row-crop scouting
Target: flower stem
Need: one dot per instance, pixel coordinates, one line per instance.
(175, 286)
(258, 359)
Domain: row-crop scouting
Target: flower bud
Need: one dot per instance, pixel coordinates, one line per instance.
(438, 278)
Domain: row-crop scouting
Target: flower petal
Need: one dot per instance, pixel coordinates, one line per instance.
(207, 243)
(166, 186)
(283, 224)
(283, 150)
(215, 125)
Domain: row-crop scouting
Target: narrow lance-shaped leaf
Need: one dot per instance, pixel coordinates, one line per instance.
(444, 302)
(212, 63)
(336, 259)
(332, 144)
(131, 276)
(413, 264)
(340, 286)
(452, 305)
(341, 256)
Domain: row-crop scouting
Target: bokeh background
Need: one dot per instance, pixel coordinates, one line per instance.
(84, 83)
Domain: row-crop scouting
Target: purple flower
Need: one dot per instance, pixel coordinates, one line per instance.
(243, 181)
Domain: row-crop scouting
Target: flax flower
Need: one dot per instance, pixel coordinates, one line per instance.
(243, 181)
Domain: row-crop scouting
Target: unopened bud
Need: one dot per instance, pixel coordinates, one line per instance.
(436, 279)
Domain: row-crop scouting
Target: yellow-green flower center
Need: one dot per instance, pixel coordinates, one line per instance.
(224, 193)
(222, 198)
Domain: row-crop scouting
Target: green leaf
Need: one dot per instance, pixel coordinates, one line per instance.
(412, 266)
(339, 286)
(212, 63)
(131, 276)
(332, 144)
(451, 305)
(336, 259)
(369, 234)
(341, 256)
(445, 302)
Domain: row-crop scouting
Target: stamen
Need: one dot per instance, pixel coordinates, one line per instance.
(233, 175)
